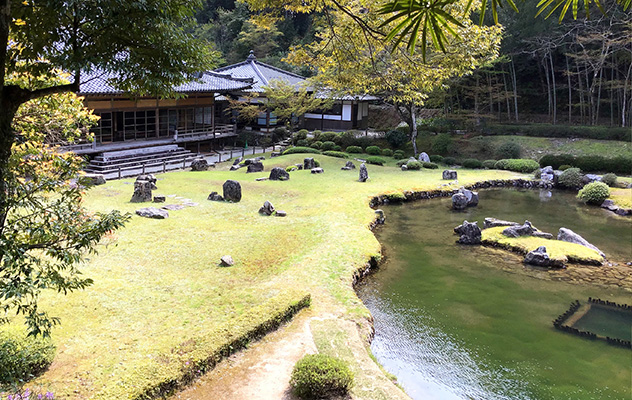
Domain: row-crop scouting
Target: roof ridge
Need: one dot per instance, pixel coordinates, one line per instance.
(280, 70)
(259, 73)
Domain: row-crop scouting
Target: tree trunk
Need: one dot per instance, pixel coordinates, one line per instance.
(515, 89)
(580, 88)
(553, 89)
(570, 93)
(625, 95)
(7, 137)
(548, 82)
(598, 97)
(506, 95)
(413, 129)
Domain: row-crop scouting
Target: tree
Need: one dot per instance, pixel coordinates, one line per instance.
(44, 231)
(351, 62)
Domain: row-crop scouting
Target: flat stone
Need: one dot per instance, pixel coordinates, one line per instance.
(519, 230)
(275, 154)
(95, 179)
(159, 198)
(238, 160)
(173, 207)
(152, 212)
(261, 179)
(226, 261)
(494, 222)
(280, 213)
(317, 170)
(235, 167)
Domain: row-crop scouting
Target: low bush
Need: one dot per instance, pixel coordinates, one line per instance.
(302, 143)
(430, 165)
(594, 193)
(548, 130)
(327, 136)
(564, 167)
(354, 149)
(373, 150)
(327, 146)
(398, 154)
(291, 168)
(571, 178)
(489, 164)
(300, 149)
(435, 158)
(300, 135)
(401, 162)
(337, 148)
(375, 160)
(333, 153)
(316, 134)
(318, 376)
(517, 165)
(387, 152)
(617, 165)
(23, 358)
(509, 149)
(396, 138)
(449, 161)
(609, 179)
(472, 163)
(316, 145)
(316, 163)
(555, 160)
(413, 165)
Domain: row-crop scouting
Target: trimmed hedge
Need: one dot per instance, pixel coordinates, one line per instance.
(300, 149)
(430, 165)
(489, 164)
(375, 160)
(22, 358)
(318, 376)
(327, 146)
(373, 150)
(316, 145)
(354, 149)
(413, 165)
(338, 154)
(472, 163)
(396, 138)
(609, 179)
(517, 165)
(618, 165)
(401, 162)
(509, 149)
(435, 158)
(398, 154)
(449, 161)
(547, 130)
(387, 153)
(327, 136)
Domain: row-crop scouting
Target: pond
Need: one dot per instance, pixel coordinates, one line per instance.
(469, 322)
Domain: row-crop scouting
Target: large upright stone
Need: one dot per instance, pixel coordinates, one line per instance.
(232, 191)
(567, 235)
(150, 178)
(309, 163)
(459, 201)
(142, 192)
(538, 257)
(469, 233)
(449, 174)
(279, 174)
(255, 166)
(199, 165)
(423, 157)
(364, 173)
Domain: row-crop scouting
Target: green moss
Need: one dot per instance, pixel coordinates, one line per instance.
(621, 197)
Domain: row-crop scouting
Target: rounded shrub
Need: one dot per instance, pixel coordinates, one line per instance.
(300, 135)
(327, 146)
(396, 138)
(318, 376)
(373, 150)
(442, 144)
(302, 143)
(489, 164)
(316, 134)
(609, 179)
(564, 167)
(401, 162)
(430, 165)
(571, 178)
(501, 164)
(449, 161)
(436, 158)
(398, 154)
(23, 358)
(387, 152)
(316, 145)
(472, 163)
(338, 154)
(327, 136)
(375, 160)
(413, 165)
(509, 149)
(299, 149)
(291, 168)
(316, 163)
(354, 149)
(337, 148)
(594, 193)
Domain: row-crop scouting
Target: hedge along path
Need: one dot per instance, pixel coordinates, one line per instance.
(160, 301)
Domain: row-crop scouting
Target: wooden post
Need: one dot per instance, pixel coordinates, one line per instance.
(119, 172)
(231, 153)
(164, 167)
(243, 150)
(220, 156)
(253, 149)
(143, 168)
(184, 162)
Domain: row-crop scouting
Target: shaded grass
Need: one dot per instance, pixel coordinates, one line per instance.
(160, 299)
(621, 197)
(556, 249)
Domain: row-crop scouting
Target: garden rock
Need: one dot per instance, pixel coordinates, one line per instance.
(199, 165)
(95, 179)
(449, 174)
(519, 230)
(226, 261)
(609, 205)
(472, 197)
(538, 257)
(494, 222)
(235, 167)
(152, 212)
(568, 235)
(364, 173)
(275, 154)
(309, 163)
(260, 179)
(238, 160)
(317, 170)
(379, 216)
(423, 157)
(547, 174)
(214, 196)
(159, 198)
(142, 192)
(280, 213)
(348, 166)
(586, 179)
(232, 191)
(469, 233)
(279, 174)
(298, 166)
(459, 201)
(267, 208)
(150, 178)
(255, 166)
(173, 207)
(404, 167)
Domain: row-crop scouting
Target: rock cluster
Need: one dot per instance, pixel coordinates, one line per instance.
(268, 209)
(609, 205)
(469, 233)
(526, 229)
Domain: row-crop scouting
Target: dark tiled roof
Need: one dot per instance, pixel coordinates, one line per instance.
(209, 82)
(261, 73)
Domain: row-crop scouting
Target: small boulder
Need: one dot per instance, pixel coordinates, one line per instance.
(469, 233)
(609, 205)
(235, 167)
(142, 192)
(214, 196)
(459, 201)
(260, 179)
(238, 160)
(226, 261)
(267, 208)
(152, 212)
(567, 235)
(588, 178)
(348, 166)
(199, 165)
(538, 257)
(280, 213)
(423, 157)
(547, 174)
(232, 191)
(298, 166)
(148, 177)
(449, 174)
(317, 170)
(472, 197)
(279, 174)
(364, 173)
(309, 163)
(159, 198)
(275, 154)
(255, 166)
(94, 179)
(379, 216)
(519, 230)
(404, 167)
(494, 222)
(173, 207)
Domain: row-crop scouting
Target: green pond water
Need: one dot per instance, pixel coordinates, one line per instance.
(606, 321)
(469, 322)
